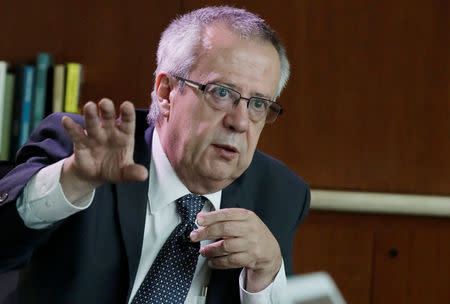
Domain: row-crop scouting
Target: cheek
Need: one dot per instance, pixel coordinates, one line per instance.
(253, 136)
(252, 141)
(199, 135)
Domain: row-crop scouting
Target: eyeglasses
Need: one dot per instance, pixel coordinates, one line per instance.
(224, 98)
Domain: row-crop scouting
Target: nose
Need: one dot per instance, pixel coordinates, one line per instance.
(237, 119)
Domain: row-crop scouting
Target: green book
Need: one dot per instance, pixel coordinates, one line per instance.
(43, 63)
(3, 70)
(7, 117)
(23, 93)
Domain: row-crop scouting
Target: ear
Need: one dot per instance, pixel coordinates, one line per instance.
(162, 89)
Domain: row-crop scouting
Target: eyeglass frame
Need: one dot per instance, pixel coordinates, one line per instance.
(202, 88)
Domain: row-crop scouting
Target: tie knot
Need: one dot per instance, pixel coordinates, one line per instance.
(189, 206)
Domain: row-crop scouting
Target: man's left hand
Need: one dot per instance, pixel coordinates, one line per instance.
(243, 240)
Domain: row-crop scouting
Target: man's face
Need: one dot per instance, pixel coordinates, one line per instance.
(207, 148)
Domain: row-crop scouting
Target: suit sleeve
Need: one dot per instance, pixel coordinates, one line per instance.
(304, 202)
(46, 145)
(280, 198)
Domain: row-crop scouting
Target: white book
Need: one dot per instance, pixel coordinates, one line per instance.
(3, 69)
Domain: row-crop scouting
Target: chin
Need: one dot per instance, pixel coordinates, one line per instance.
(213, 179)
(223, 174)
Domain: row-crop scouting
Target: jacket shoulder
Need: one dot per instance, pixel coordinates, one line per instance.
(272, 171)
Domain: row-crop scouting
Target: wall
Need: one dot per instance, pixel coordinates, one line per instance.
(367, 105)
(378, 259)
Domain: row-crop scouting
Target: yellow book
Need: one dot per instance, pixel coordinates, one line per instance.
(59, 74)
(73, 85)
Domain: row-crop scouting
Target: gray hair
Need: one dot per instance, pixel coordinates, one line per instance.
(179, 45)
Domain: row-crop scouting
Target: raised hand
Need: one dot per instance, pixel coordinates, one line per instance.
(103, 151)
(243, 241)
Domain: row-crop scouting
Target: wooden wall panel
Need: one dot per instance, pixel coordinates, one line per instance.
(99, 36)
(367, 105)
(368, 101)
(378, 259)
(419, 271)
(345, 253)
(391, 267)
(25, 31)
(430, 261)
(115, 40)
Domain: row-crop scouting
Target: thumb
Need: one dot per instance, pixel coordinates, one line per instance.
(134, 172)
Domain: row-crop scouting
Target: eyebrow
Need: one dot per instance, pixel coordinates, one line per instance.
(232, 86)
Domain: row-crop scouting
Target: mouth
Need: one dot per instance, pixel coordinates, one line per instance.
(226, 151)
(227, 148)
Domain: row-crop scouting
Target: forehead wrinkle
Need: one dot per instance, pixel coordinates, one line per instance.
(256, 76)
(231, 78)
(217, 49)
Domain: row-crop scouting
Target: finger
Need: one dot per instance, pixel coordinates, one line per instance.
(75, 131)
(107, 114)
(127, 118)
(91, 119)
(224, 247)
(230, 214)
(135, 172)
(220, 230)
(235, 260)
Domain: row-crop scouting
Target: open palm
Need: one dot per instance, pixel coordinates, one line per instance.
(103, 151)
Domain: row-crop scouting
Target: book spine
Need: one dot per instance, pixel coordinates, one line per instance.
(73, 83)
(43, 63)
(59, 75)
(3, 70)
(27, 93)
(7, 117)
(17, 104)
(49, 90)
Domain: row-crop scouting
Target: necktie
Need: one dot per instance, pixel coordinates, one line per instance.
(170, 276)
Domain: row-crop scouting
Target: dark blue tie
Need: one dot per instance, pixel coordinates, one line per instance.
(170, 276)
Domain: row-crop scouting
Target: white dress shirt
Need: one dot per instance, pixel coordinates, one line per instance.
(43, 203)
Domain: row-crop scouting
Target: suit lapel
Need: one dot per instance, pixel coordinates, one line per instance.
(132, 201)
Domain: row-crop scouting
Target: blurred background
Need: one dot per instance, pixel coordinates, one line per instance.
(367, 111)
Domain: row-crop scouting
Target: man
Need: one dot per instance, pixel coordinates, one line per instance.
(96, 212)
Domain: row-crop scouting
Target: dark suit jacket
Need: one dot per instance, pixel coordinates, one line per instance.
(93, 256)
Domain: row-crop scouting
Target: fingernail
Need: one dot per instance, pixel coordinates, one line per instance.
(193, 235)
(200, 220)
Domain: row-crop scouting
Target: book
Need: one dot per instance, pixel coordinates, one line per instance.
(43, 63)
(49, 91)
(22, 106)
(73, 86)
(5, 122)
(3, 70)
(59, 75)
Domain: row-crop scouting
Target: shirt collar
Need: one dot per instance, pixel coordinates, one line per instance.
(165, 187)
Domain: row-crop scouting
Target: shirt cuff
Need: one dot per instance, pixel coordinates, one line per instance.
(272, 294)
(43, 202)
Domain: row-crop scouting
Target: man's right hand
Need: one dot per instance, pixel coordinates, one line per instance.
(102, 152)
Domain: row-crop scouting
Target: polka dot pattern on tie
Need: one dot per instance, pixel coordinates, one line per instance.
(170, 276)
